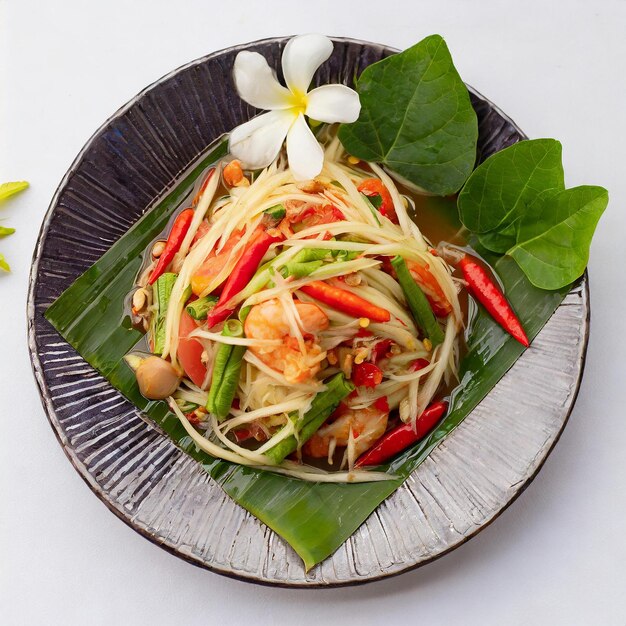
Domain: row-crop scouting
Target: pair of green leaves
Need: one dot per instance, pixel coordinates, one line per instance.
(417, 119)
(517, 204)
(6, 190)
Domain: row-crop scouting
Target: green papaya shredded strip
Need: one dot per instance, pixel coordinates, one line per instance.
(226, 371)
(418, 303)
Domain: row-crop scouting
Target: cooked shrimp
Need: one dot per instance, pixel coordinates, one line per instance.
(268, 320)
(367, 425)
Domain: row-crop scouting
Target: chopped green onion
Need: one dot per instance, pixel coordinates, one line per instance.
(3, 264)
(418, 302)
(4, 231)
(243, 313)
(199, 309)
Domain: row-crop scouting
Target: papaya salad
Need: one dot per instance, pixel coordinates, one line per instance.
(290, 321)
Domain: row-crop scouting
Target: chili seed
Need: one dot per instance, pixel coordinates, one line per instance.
(353, 160)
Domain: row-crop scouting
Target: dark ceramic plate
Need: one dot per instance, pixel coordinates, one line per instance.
(163, 494)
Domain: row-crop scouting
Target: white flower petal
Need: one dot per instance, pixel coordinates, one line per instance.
(333, 103)
(257, 142)
(256, 82)
(306, 157)
(301, 58)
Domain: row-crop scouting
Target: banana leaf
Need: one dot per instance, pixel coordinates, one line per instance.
(315, 519)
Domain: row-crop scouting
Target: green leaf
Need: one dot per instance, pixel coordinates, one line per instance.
(9, 189)
(517, 203)
(4, 231)
(553, 246)
(416, 117)
(507, 184)
(3, 264)
(314, 518)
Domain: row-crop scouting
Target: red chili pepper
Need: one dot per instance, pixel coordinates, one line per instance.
(380, 349)
(174, 241)
(485, 290)
(374, 187)
(419, 364)
(203, 187)
(381, 404)
(241, 434)
(403, 436)
(243, 271)
(345, 301)
(366, 374)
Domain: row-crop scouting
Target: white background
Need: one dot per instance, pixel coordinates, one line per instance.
(557, 556)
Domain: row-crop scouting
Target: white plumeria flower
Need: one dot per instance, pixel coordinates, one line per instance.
(257, 142)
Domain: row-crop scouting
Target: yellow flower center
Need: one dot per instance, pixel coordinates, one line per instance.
(299, 102)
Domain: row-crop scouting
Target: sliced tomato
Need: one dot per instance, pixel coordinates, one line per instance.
(380, 350)
(312, 215)
(190, 350)
(374, 187)
(326, 214)
(203, 229)
(213, 265)
(366, 375)
(381, 404)
(419, 364)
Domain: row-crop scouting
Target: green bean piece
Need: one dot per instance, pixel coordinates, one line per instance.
(162, 291)
(226, 372)
(324, 403)
(199, 309)
(418, 303)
